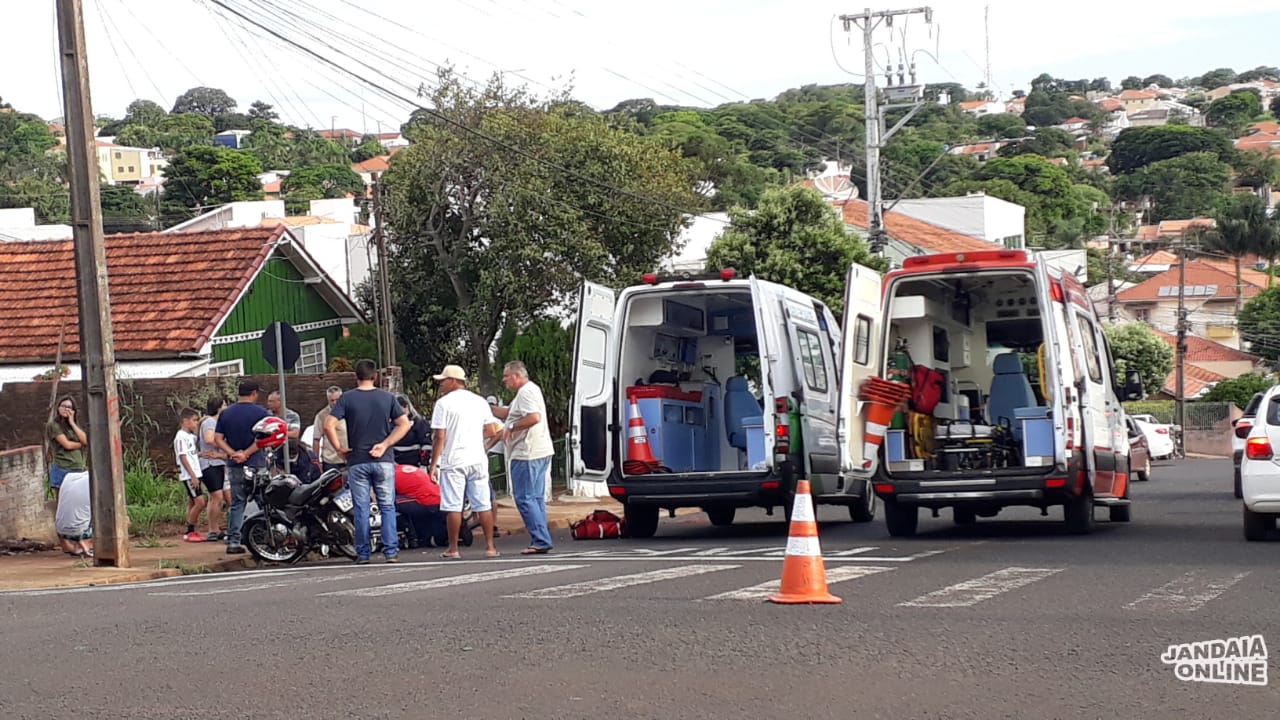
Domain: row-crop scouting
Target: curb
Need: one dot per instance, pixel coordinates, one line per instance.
(137, 575)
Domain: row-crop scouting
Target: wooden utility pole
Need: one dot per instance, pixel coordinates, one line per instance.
(387, 330)
(97, 353)
(1180, 409)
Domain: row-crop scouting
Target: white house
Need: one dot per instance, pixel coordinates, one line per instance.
(20, 224)
(977, 215)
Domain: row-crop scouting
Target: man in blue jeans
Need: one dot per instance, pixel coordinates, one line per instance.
(528, 441)
(375, 422)
(233, 434)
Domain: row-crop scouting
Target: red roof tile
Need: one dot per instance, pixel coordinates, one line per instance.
(926, 236)
(1201, 350)
(1265, 126)
(168, 291)
(1138, 95)
(1198, 273)
(1195, 380)
(374, 164)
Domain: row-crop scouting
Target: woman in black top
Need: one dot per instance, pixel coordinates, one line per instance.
(416, 444)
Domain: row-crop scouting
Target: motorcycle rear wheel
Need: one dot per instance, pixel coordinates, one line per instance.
(257, 537)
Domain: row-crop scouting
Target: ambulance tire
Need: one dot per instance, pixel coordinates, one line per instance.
(865, 509)
(964, 516)
(901, 520)
(642, 520)
(1077, 512)
(721, 515)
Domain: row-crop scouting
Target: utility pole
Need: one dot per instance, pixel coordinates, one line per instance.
(873, 112)
(1111, 286)
(1181, 362)
(384, 284)
(97, 352)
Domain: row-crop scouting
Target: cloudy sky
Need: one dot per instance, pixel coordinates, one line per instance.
(695, 52)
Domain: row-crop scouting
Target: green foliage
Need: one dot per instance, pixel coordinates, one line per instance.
(1002, 125)
(207, 175)
(546, 348)
(1275, 106)
(1162, 410)
(1044, 189)
(1050, 101)
(260, 110)
(1135, 346)
(368, 148)
(1163, 81)
(1234, 111)
(309, 149)
(1098, 260)
(1242, 227)
(1216, 78)
(144, 112)
(152, 500)
(329, 181)
(1137, 147)
(794, 239)
(484, 237)
(1259, 323)
(1181, 187)
(1047, 142)
(1239, 390)
(1133, 82)
(204, 101)
(124, 210)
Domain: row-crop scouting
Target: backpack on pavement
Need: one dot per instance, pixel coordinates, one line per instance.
(599, 525)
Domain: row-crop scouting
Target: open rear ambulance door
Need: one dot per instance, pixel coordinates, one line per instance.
(862, 346)
(591, 441)
(768, 324)
(814, 363)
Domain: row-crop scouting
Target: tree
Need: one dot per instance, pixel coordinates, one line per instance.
(1259, 324)
(1137, 147)
(1234, 111)
(1098, 263)
(369, 147)
(1243, 227)
(1046, 189)
(1133, 82)
(232, 121)
(1002, 125)
(319, 182)
(180, 131)
(546, 348)
(1181, 187)
(144, 112)
(1163, 81)
(125, 211)
(1262, 72)
(308, 148)
(484, 236)
(263, 111)
(1217, 78)
(204, 101)
(1275, 106)
(1239, 390)
(794, 239)
(206, 175)
(1046, 142)
(268, 143)
(1135, 346)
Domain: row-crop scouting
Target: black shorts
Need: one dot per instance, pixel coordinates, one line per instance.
(192, 492)
(214, 478)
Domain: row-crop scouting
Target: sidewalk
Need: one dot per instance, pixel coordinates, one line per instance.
(171, 556)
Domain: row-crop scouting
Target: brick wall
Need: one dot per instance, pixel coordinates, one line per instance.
(23, 513)
(149, 408)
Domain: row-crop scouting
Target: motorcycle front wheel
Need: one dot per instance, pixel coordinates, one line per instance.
(258, 538)
(346, 531)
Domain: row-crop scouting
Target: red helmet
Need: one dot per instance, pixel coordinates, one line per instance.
(270, 432)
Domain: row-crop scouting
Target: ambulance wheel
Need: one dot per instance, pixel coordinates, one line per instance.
(642, 520)
(1078, 513)
(721, 515)
(864, 511)
(901, 520)
(964, 516)
(1119, 513)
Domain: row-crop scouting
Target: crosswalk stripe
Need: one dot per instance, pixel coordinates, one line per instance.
(974, 591)
(620, 581)
(765, 589)
(451, 581)
(1186, 593)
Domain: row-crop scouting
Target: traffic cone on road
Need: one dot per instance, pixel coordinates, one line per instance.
(640, 459)
(804, 575)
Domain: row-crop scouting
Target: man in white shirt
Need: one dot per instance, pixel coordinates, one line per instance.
(461, 422)
(529, 446)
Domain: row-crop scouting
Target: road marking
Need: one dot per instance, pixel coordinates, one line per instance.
(834, 575)
(852, 551)
(619, 581)
(1187, 593)
(177, 580)
(291, 581)
(972, 592)
(450, 581)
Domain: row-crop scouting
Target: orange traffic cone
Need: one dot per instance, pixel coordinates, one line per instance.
(879, 416)
(640, 458)
(804, 575)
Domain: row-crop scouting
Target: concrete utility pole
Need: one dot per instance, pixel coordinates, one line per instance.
(97, 353)
(873, 112)
(384, 283)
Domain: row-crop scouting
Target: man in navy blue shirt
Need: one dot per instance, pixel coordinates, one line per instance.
(375, 422)
(233, 434)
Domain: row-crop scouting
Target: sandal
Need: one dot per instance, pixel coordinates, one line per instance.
(532, 550)
(493, 554)
(450, 556)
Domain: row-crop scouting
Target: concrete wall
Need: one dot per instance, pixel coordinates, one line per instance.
(23, 513)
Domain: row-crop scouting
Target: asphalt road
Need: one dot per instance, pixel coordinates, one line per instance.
(1010, 618)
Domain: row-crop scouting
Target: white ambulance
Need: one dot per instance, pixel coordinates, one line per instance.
(1028, 411)
(737, 383)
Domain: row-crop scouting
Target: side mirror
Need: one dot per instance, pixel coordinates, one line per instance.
(1133, 389)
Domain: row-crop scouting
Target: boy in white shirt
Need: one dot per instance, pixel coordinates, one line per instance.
(187, 458)
(461, 422)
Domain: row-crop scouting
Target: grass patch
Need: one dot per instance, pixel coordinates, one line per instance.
(153, 500)
(186, 567)
(153, 541)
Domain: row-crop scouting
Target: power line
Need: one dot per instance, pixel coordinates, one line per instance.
(459, 125)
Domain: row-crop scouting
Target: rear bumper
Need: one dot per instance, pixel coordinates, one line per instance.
(765, 489)
(1034, 490)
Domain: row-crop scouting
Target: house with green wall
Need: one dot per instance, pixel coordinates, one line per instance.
(182, 304)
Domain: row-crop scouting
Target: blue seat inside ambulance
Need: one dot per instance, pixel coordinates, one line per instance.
(740, 407)
(1010, 390)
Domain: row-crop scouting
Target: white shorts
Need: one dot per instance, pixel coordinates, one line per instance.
(472, 480)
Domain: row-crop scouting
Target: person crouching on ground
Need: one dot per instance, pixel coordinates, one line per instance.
(418, 500)
(187, 458)
(528, 442)
(462, 422)
(74, 518)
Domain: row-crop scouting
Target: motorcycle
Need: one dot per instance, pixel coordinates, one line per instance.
(295, 518)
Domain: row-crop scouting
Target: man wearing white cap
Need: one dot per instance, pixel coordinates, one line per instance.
(461, 422)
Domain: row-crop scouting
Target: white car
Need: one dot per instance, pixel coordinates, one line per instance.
(1260, 469)
(1159, 436)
